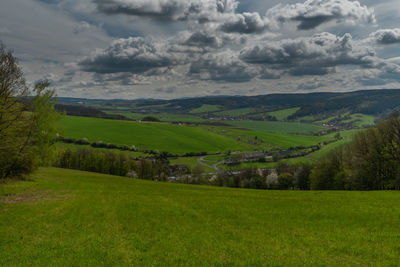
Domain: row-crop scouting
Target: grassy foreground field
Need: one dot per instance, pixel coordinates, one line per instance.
(71, 218)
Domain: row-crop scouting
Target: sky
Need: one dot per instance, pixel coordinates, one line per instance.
(165, 49)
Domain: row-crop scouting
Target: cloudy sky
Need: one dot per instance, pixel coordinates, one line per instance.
(183, 48)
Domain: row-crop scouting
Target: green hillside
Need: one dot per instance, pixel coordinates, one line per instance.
(279, 127)
(161, 116)
(205, 108)
(283, 114)
(161, 136)
(71, 218)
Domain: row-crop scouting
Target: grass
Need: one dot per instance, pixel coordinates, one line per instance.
(72, 218)
(161, 136)
(361, 120)
(269, 140)
(167, 117)
(205, 108)
(283, 114)
(346, 137)
(279, 127)
(235, 112)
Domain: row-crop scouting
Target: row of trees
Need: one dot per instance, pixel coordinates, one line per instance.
(26, 123)
(113, 163)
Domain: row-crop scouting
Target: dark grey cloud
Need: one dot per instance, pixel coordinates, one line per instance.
(203, 44)
(313, 13)
(316, 55)
(222, 67)
(168, 10)
(134, 55)
(386, 36)
(266, 74)
(203, 39)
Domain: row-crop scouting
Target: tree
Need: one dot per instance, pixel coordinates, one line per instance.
(302, 176)
(26, 124)
(285, 180)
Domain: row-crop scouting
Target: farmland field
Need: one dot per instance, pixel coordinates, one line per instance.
(65, 217)
(235, 112)
(161, 136)
(279, 127)
(205, 108)
(283, 114)
(267, 140)
(161, 116)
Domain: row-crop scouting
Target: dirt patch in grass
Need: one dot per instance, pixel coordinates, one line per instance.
(30, 197)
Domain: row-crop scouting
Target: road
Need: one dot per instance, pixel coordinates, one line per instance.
(214, 166)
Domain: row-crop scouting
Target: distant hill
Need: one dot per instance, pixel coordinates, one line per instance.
(373, 102)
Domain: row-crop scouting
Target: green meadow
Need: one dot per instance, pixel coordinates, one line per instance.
(279, 127)
(72, 218)
(283, 114)
(167, 117)
(146, 135)
(235, 112)
(205, 108)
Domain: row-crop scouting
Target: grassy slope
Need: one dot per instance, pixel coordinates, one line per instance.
(278, 127)
(284, 113)
(364, 120)
(235, 112)
(164, 137)
(205, 108)
(272, 140)
(161, 116)
(71, 218)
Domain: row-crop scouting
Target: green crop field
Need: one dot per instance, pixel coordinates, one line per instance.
(161, 136)
(279, 127)
(72, 218)
(205, 108)
(283, 114)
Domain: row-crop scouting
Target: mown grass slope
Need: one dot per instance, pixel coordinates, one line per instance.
(72, 218)
(161, 136)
